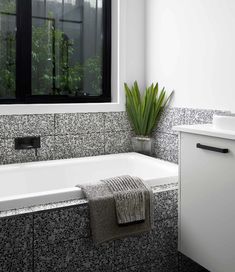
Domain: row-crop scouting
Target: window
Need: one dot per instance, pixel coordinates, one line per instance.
(55, 51)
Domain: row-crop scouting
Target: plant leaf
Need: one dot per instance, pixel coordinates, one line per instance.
(144, 110)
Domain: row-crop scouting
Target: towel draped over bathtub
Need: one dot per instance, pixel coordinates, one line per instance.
(129, 196)
(119, 207)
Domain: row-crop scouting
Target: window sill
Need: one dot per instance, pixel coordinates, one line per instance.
(60, 108)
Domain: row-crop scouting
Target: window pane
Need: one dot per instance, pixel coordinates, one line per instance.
(67, 45)
(7, 49)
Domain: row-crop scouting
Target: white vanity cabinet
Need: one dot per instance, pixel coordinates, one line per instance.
(207, 197)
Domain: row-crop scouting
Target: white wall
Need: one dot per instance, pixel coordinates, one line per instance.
(135, 41)
(191, 48)
(131, 51)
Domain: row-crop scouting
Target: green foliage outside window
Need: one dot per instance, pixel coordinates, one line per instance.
(51, 49)
(7, 64)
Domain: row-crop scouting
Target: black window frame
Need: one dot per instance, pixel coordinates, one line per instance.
(24, 62)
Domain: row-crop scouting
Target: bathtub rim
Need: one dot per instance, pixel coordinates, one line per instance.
(74, 193)
(88, 158)
(71, 203)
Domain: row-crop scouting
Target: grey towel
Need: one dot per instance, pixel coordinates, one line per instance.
(103, 218)
(129, 196)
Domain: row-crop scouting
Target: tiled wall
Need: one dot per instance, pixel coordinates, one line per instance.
(87, 134)
(166, 140)
(16, 243)
(60, 240)
(65, 135)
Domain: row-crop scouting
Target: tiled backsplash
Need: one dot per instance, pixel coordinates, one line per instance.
(65, 135)
(166, 140)
(88, 134)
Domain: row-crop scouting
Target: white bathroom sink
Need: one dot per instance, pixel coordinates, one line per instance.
(224, 122)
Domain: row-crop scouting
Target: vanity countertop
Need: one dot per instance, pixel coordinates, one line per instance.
(206, 129)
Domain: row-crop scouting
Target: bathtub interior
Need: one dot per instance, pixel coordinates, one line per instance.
(59, 178)
(54, 175)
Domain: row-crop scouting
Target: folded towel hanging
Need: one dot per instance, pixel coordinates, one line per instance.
(129, 195)
(104, 216)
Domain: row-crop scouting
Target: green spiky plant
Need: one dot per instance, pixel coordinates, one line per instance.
(144, 110)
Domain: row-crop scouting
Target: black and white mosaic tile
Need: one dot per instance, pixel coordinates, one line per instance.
(134, 250)
(10, 155)
(74, 146)
(162, 264)
(198, 116)
(43, 207)
(46, 152)
(166, 147)
(165, 205)
(77, 255)
(173, 185)
(117, 121)
(68, 146)
(170, 117)
(17, 156)
(78, 123)
(165, 236)
(62, 242)
(93, 144)
(67, 223)
(147, 248)
(2, 150)
(152, 246)
(62, 239)
(2, 125)
(16, 243)
(72, 135)
(118, 142)
(26, 125)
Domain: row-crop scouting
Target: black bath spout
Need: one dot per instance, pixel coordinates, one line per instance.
(27, 143)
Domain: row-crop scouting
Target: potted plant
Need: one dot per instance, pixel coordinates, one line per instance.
(143, 112)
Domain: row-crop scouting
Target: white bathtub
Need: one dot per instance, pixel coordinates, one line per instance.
(30, 184)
